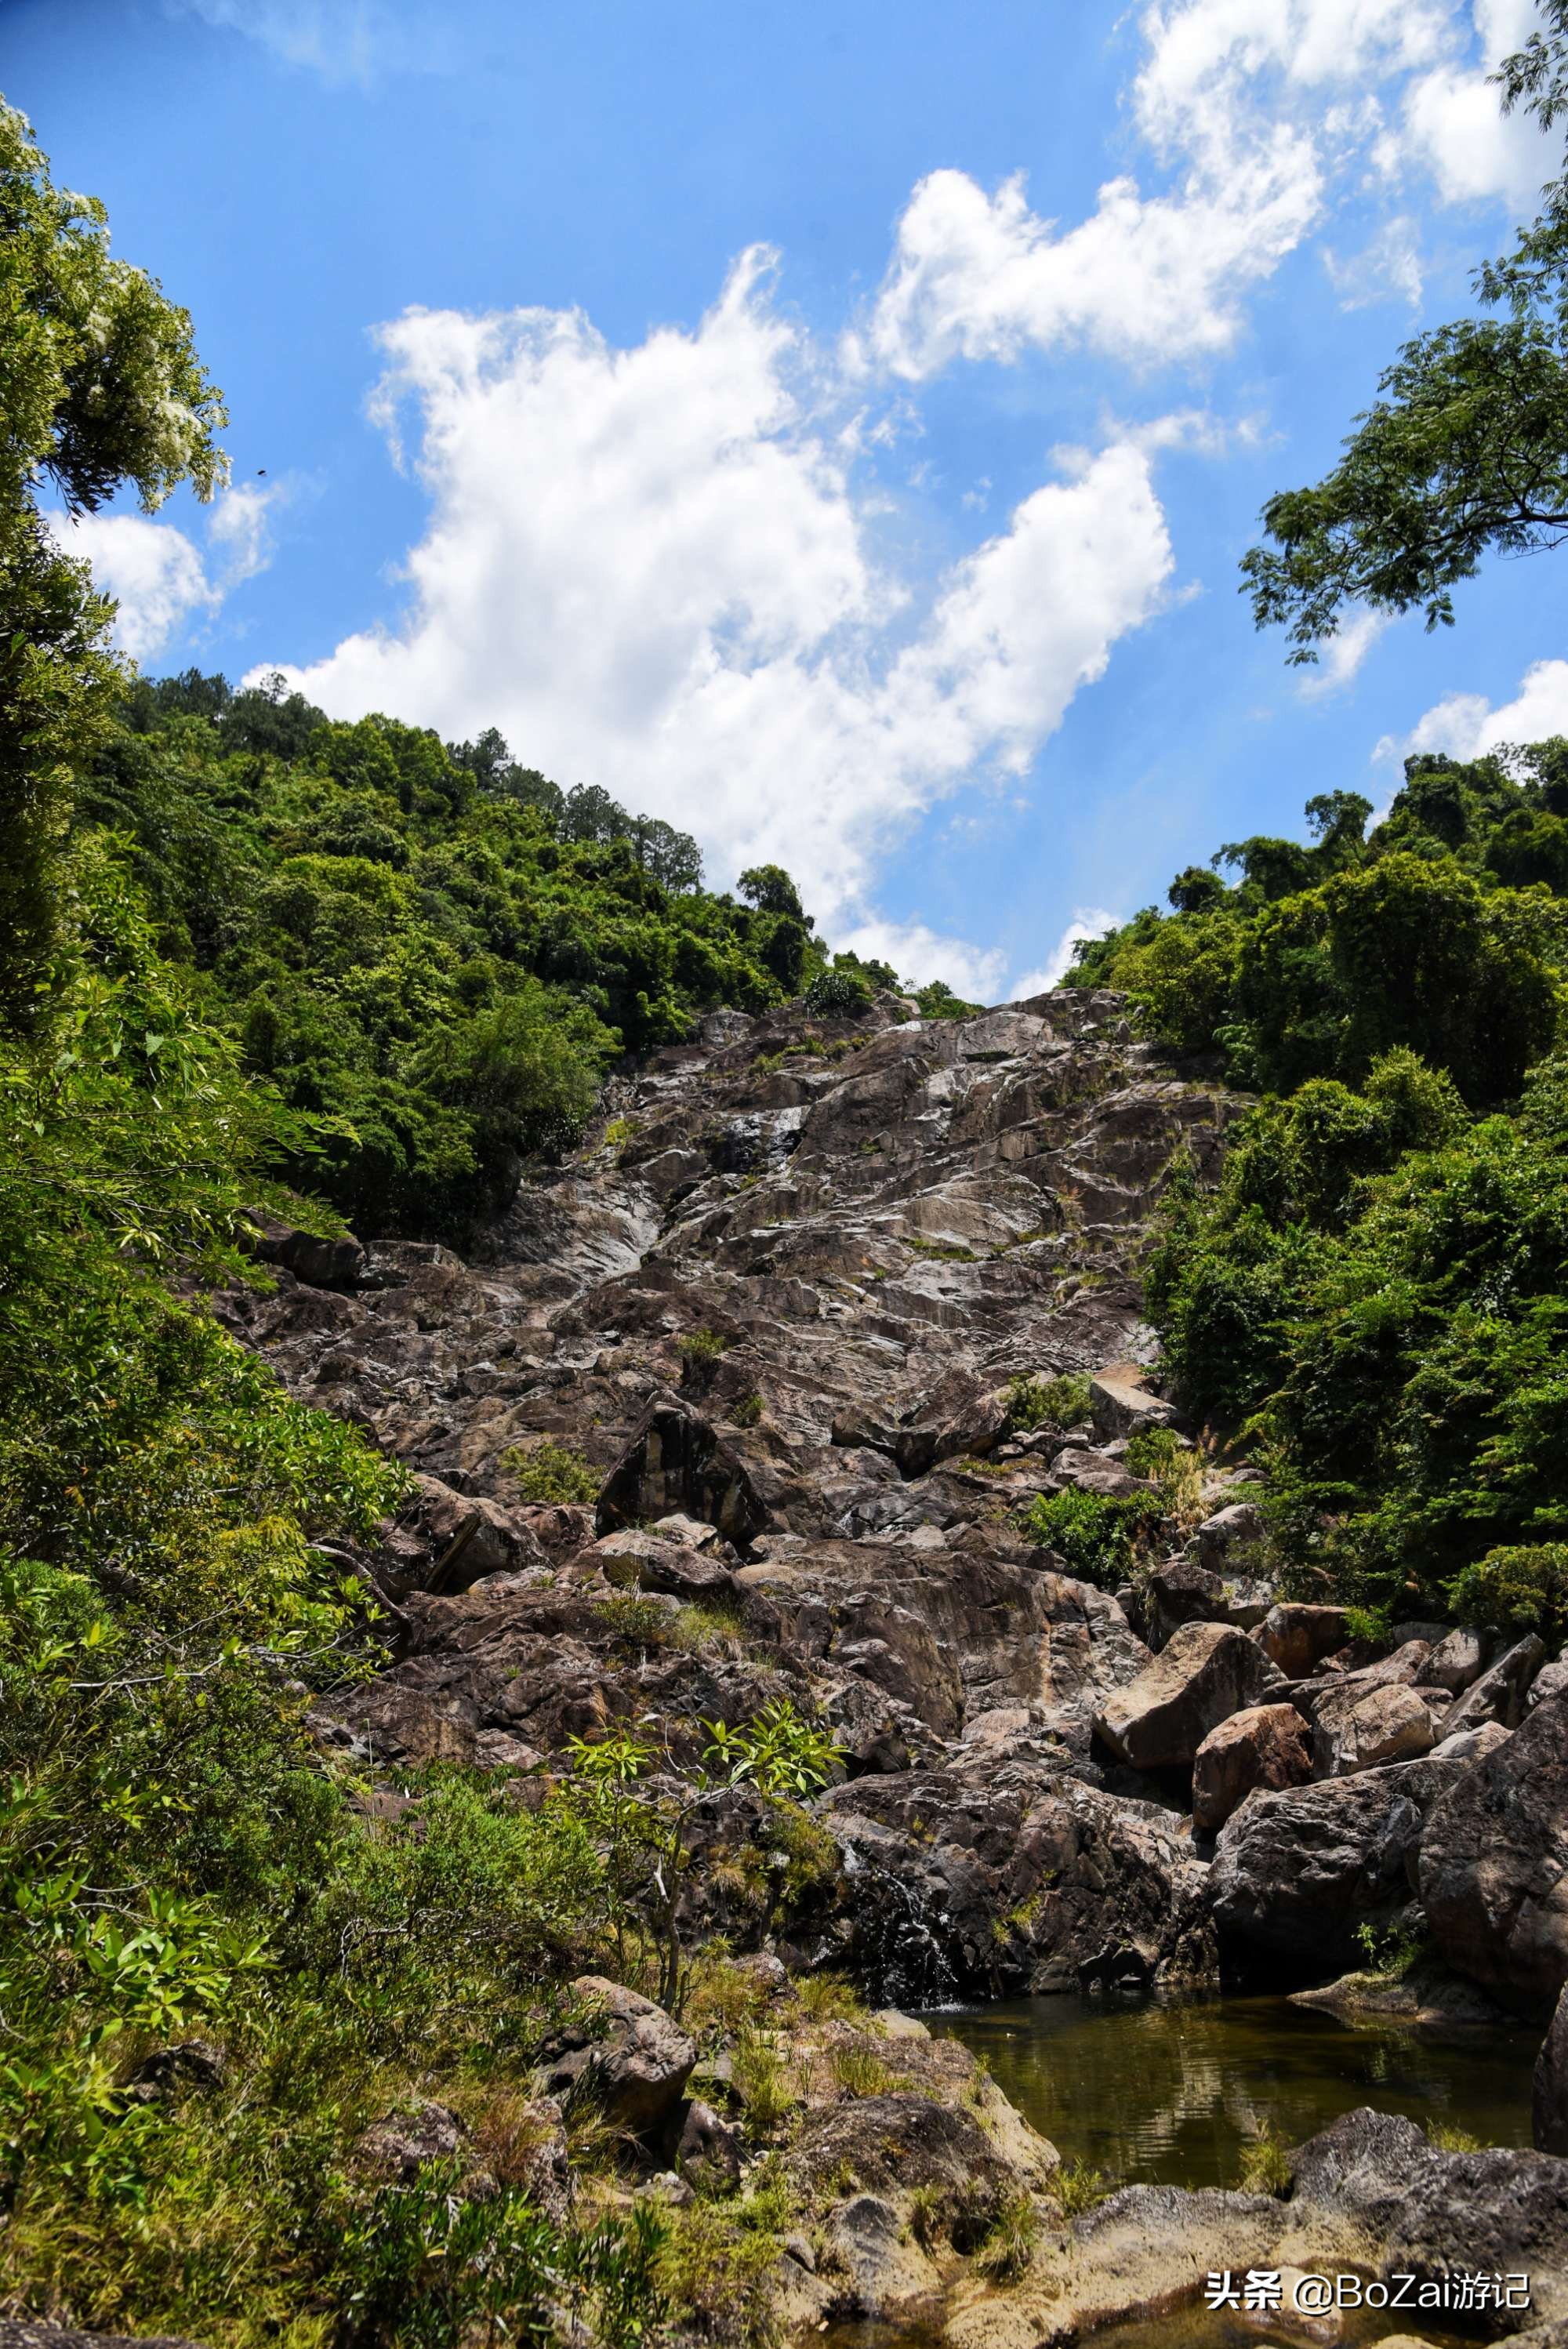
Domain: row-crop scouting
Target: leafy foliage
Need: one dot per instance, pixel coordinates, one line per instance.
(1443, 935)
(431, 950)
(1464, 452)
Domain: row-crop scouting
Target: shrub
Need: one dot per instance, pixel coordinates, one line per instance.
(761, 2082)
(1059, 1402)
(1094, 1536)
(838, 993)
(1265, 2164)
(553, 1472)
(860, 2072)
(747, 1411)
(1518, 1587)
(1007, 2246)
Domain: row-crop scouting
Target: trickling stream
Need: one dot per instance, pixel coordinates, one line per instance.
(1169, 2093)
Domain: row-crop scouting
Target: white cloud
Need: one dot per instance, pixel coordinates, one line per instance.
(1388, 269)
(920, 953)
(652, 569)
(1453, 124)
(151, 568)
(1344, 653)
(1088, 922)
(1466, 726)
(158, 577)
(1267, 111)
(982, 277)
(342, 40)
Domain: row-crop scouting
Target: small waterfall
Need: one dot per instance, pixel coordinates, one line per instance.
(899, 1949)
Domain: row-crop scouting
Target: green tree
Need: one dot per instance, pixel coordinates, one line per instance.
(1465, 450)
(99, 386)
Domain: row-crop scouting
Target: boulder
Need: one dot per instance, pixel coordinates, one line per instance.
(677, 1463)
(1296, 1874)
(469, 1538)
(1549, 2097)
(396, 2148)
(625, 2056)
(1009, 1874)
(1501, 1692)
(1181, 1591)
(1295, 1639)
(1119, 1403)
(1361, 1728)
(1496, 2212)
(1205, 1672)
(1265, 1746)
(1493, 1862)
(1222, 1541)
(1472, 1746)
(885, 2273)
(320, 1263)
(708, 2154)
(633, 1560)
(1457, 1660)
(1552, 1679)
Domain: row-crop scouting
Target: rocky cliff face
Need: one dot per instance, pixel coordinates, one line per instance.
(775, 1310)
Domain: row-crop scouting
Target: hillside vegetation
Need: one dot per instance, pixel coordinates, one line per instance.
(433, 952)
(1376, 1293)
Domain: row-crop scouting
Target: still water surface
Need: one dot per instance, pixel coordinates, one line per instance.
(1170, 2094)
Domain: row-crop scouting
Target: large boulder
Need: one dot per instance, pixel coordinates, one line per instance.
(676, 1461)
(1431, 2214)
(1502, 1691)
(1226, 1542)
(1119, 1403)
(1205, 1672)
(1494, 1865)
(1458, 1658)
(1361, 1728)
(1009, 1874)
(1181, 1591)
(1267, 1745)
(1297, 1874)
(1295, 1639)
(624, 2054)
(1548, 2098)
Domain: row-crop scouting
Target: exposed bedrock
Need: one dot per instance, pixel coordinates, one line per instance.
(761, 1342)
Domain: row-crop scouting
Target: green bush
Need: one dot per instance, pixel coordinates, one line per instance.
(1517, 1588)
(1095, 1537)
(553, 1472)
(1061, 1401)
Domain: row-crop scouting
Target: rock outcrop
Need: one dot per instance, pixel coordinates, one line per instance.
(1265, 1746)
(1494, 1865)
(1297, 1874)
(1205, 1674)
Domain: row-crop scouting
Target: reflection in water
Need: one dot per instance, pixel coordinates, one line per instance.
(1170, 2094)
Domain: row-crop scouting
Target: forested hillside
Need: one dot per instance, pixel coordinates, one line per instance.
(430, 951)
(1378, 1293)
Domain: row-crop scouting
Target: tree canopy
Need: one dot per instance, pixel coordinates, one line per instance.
(1465, 450)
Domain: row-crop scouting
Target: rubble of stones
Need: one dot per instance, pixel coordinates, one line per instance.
(776, 1305)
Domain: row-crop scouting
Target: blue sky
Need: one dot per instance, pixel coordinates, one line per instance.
(832, 428)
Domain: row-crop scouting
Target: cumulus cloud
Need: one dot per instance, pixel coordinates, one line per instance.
(982, 277)
(1088, 922)
(160, 579)
(150, 567)
(920, 954)
(1266, 111)
(1466, 725)
(1451, 124)
(655, 568)
(1344, 653)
